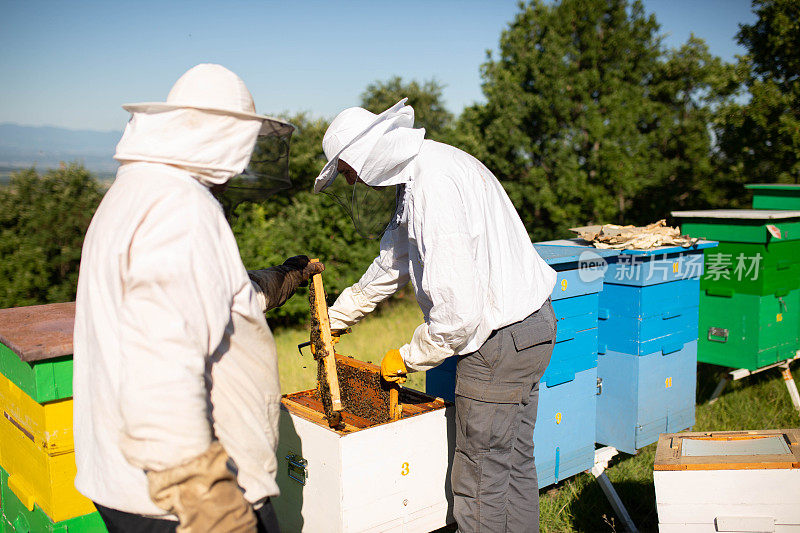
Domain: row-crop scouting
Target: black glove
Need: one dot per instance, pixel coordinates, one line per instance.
(279, 282)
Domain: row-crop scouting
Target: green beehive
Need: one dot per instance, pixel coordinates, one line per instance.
(747, 330)
(36, 445)
(775, 195)
(750, 299)
(43, 381)
(760, 226)
(758, 253)
(753, 268)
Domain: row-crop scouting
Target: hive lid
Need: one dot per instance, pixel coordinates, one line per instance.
(660, 250)
(567, 252)
(729, 450)
(739, 214)
(774, 186)
(39, 331)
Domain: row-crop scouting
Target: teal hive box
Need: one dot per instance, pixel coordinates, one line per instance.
(643, 396)
(564, 434)
(775, 195)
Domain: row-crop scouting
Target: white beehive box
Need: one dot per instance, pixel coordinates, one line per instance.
(388, 477)
(742, 481)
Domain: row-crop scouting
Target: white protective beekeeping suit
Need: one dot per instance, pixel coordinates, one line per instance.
(457, 237)
(172, 349)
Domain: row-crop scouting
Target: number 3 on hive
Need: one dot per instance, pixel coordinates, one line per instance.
(404, 469)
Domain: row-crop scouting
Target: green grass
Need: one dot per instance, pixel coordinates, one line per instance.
(576, 504)
(391, 326)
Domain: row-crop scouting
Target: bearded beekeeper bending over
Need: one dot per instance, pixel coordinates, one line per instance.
(484, 291)
(175, 371)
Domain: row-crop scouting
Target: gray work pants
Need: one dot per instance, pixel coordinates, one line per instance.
(497, 392)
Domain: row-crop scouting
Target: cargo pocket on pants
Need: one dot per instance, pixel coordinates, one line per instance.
(466, 476)
(487, 427)
(534, 344)
(529, 335)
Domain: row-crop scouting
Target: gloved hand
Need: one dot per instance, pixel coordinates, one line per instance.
(336, 334)
(393, 368)
(203, 494)
(278, 283)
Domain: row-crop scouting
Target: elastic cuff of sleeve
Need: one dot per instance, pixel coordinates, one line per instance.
(349, 308)
(153, 456)
(423, 353)
(405, 353)
(261, 298)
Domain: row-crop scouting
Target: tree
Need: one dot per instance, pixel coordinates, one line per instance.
(43, 219)
(760, 139)
(298, 221)
(425, 98)
(690, 84)
(584, 118)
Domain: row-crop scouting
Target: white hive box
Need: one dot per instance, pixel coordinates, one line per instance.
(743, 481)
(386, 477)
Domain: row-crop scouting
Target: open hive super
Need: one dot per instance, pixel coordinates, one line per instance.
(371, 471)
(364, 396)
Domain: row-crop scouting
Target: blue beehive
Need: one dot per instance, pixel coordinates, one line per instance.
(650, 300)
(643, 396)
(647, 353)
(564, 434)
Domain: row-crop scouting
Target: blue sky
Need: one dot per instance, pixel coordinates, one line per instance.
(73, 63)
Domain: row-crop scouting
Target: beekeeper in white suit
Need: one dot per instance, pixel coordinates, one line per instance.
(175, 373)
(483, 289)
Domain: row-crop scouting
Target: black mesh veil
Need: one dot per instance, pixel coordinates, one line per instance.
(373, 210)
(266, 174)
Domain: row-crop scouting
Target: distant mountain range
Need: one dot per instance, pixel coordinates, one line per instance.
(47, 146)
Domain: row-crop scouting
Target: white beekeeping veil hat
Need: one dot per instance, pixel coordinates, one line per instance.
(378, 148)
(209, 126)
(213, 88)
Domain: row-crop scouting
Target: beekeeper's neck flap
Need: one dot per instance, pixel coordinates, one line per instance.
(380, 148)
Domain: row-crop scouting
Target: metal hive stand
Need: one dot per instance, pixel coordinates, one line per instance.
(602, 456)
(736, 374)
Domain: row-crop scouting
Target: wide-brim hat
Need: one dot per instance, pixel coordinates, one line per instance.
(330, 170)
(213, 88)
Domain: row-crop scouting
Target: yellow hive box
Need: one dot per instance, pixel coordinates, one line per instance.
(37, 451)
(48, 426)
